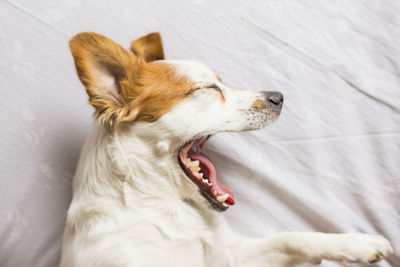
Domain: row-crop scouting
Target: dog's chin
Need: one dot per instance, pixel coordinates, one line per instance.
(201, 171)
(262, 119)
(273, 114)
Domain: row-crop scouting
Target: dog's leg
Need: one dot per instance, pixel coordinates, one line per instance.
(293, 248)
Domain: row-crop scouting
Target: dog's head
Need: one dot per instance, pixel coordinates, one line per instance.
(186, 99)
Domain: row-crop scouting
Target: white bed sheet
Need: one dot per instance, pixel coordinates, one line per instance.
(330, 163)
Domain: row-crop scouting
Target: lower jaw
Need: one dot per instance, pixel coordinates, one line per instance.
(214, 203)
(218, 195)
(205, 192)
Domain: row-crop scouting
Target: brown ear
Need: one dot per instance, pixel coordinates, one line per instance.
(108, 72)
(149, 47)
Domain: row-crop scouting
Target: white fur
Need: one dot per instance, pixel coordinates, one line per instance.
(133, 205)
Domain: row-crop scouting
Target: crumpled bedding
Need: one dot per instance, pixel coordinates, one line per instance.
(330, 163)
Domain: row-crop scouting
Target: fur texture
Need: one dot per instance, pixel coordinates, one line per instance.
(132, 203)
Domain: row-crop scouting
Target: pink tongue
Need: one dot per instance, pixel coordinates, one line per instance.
(216, 184)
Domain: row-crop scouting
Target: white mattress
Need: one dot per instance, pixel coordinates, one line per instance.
(330, 163)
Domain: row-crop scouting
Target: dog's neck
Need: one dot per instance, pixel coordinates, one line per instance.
(133, 165)
(135, 172)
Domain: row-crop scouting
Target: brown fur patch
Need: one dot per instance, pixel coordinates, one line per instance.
(259, 105)
(146, 91)
(158, 90)
(149, 47)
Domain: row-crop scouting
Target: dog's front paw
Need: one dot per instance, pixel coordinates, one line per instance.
(363, 248)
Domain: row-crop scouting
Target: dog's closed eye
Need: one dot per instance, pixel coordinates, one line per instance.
(206, 86)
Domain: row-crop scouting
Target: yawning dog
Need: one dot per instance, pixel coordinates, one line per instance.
(145, 194)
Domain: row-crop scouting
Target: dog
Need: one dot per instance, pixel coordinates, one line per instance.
(145, 194)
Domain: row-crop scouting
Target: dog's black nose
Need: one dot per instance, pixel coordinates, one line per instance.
(275, 98)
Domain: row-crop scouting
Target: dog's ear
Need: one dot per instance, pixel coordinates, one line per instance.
(108, 72)
(149, 47)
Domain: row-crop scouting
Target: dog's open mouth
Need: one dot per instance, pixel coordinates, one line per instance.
(202, 172)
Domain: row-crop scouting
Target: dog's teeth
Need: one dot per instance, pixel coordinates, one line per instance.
(198, 174)
(206, 181)
(225, 205)
(222, 198)
(195, 169)
(195, 163)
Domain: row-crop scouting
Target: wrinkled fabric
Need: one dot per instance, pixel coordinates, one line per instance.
(330, 163)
